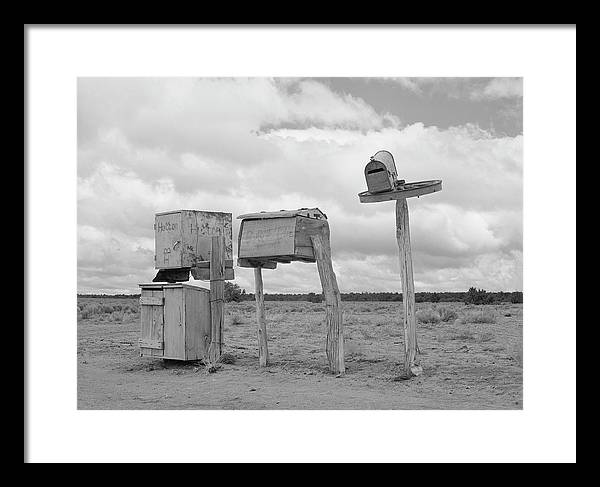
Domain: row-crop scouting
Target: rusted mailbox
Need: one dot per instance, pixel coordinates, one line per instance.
(380, 172)
(182, 243)
(266, 238)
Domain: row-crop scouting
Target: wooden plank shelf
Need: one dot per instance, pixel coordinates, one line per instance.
(408, 190)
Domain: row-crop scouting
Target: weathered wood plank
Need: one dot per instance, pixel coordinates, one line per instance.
(204, 273)
(152, 320)
(217, 292)
(411, 367)
(206, 264)
(334, 315)
(174, 316)
(197, 322)
(305, 227)
(265, 264)
(263, 215)
(418, 188)
(150, 343)
(263, 238)
(152, 300)
(263, 349)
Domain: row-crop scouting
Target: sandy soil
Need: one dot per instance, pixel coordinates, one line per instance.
(466, 365)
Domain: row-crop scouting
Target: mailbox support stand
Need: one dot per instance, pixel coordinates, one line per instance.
(400, 193)
(263, 349)
(320, 241)
(217, 297)
(411, 367)
(333, 300)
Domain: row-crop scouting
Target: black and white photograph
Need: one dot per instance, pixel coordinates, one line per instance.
(370, 252)
(297, 241)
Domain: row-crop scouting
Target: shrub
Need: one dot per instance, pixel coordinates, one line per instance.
(477, 296)
(447, 314)
(117, 316)
(315, 298)
(233, 292)
(227, 358)
(516, 297)
(483, 316)
(428, 316)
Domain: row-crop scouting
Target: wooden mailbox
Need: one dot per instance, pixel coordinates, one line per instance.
(183, 242)
(380, 172)
(175, 321)
(267, 238)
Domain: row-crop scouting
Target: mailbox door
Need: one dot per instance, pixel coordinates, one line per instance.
(152, 322)
(174, 322)
(267, 238)
(378, 177)
(168, 240)
(197, 321)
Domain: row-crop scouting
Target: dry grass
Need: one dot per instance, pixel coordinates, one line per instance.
(479, 316)
(227, 358)
(447, 314)
(110, 310)
(436, 315)
(428, 316)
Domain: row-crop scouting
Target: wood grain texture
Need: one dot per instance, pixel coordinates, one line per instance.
(265, 238)
(151, 300)
(182, 237)
(411, 367)
(197, 322)
(203, 273)
(265, 264)
(419, 188)
(174, 323)
(152, 321)
(333, 302)
(263, 349)
(217, 293)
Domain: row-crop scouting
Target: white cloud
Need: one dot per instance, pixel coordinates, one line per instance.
(242, 145)
(499, 88)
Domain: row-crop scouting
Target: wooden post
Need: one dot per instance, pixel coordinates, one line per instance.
(333, 300)
(411, 366)
(217, 297)
(263, 349)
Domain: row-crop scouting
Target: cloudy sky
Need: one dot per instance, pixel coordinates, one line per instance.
(249, 144)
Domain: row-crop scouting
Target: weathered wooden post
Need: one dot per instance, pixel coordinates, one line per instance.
(333, 302)
(217, 297)
(268, 238)
(383, 185)
(259, 295)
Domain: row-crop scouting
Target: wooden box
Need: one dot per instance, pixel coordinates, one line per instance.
(380, 172)
(182, 238)
(175, 321)
(280, 236)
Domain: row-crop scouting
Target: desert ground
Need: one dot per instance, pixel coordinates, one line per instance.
(471, 358)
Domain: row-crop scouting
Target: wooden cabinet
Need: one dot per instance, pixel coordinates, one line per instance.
(175, 321)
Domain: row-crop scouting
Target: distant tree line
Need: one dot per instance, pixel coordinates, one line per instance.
(233, 293)
(472, 296)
